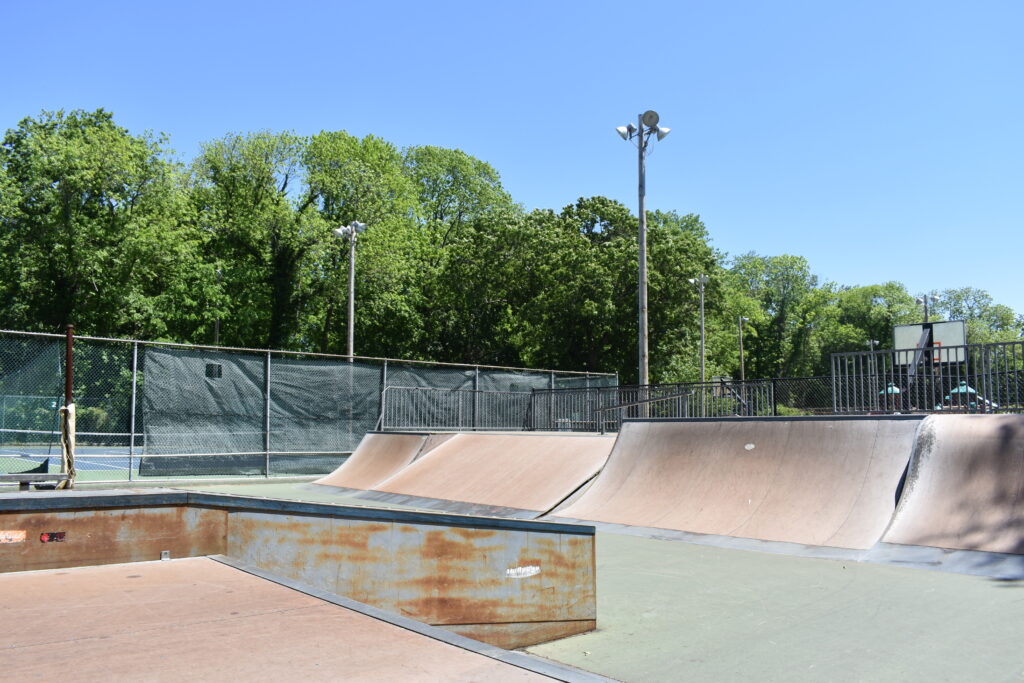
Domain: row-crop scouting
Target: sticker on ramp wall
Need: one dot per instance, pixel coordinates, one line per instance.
(522, 572)
(52, 537)
(12, 536)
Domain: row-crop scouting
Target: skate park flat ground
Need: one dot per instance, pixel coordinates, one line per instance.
(670, 610)
(212, 621)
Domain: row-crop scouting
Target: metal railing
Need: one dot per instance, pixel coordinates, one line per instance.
(432, 409)
(603, 409)
(974, 378)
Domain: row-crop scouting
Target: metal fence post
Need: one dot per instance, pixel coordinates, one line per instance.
(131, 418)
(476, 395)
(383, 394)
(551, 401)
(266, 415)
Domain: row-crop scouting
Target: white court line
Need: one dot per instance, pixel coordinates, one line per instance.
(90, 461)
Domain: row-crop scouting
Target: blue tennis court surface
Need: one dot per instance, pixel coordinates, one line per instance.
(87, 458)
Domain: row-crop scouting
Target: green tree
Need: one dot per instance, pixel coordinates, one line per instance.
(783, 285)
(583, 307)
(250, 194)
(453, 189)
(364, 180)
(92, 230)
(986, 321)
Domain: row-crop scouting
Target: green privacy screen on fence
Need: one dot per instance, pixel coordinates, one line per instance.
(154, 409)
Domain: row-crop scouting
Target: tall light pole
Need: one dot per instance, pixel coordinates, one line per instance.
(743, 372)
(926, 299)
(216, 323)
(350, 232)
(647, 124)
(700, 281)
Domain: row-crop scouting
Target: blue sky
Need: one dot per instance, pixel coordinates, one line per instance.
(880, 140)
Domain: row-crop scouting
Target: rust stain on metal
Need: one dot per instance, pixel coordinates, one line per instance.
(455, 609)
(511, 636)
(107, 537)
(474, 534)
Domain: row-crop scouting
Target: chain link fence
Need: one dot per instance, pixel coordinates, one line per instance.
(151, 410)
(31, 393)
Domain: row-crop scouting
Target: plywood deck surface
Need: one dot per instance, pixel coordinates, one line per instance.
(200, 620)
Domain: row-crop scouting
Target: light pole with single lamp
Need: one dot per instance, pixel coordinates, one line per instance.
(926, 299)
(700, 281)
(350, 232)
(647, 124)
(873, 367)
(743, 372)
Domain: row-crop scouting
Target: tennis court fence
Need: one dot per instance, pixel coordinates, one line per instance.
(156, 410)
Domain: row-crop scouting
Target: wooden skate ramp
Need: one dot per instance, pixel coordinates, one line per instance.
(380, 455)
(965, 485)
(522, 471)
(815, 481)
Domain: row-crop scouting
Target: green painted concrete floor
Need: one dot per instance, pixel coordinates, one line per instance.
(671, 611)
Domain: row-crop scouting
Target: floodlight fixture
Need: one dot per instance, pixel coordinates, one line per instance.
(349, 232)
(928, 299)
(640, 134)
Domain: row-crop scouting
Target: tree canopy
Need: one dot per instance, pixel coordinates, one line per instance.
(100, 227)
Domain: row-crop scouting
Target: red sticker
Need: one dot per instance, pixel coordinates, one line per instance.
(52, 537)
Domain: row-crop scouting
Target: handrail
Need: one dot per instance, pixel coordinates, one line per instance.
(728, 387)
(620, 406)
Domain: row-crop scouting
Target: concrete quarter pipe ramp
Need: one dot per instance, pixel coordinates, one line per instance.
(533, 472)
(815, 481)
(380, 455)
(965, 485)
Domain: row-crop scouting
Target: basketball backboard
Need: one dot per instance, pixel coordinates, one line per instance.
(941, 336)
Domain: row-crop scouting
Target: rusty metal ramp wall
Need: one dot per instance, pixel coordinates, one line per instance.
(506, 472)
(965, 485)
(380, 455)
(813, 481)
(502, 581)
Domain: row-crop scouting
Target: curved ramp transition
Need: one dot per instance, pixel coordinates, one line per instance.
(378, 456)
(816, 481)
(965, 485)
(525, 471)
